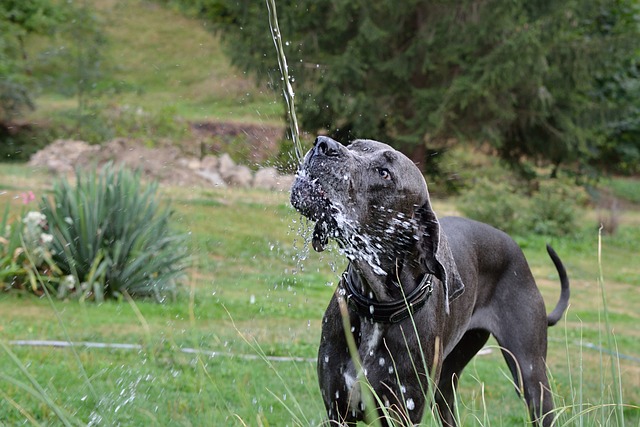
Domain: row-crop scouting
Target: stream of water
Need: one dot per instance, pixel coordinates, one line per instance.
(287, 89)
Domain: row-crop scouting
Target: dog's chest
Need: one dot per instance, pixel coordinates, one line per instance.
(373, 350)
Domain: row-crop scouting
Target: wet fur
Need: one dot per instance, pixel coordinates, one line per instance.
(374, 202)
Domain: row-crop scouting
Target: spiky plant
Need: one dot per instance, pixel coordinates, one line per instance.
(111, 233)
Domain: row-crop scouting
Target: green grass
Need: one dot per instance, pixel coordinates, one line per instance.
(255, 289)
(162, 60)
(626, 188)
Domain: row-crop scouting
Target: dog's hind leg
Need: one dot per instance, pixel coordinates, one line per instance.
(526, 359)
(469, 345)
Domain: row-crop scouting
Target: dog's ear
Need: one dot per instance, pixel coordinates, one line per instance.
(435, 253)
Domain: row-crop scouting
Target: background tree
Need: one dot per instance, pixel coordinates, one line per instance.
(18, 19)
(70, 60)
(522, 76)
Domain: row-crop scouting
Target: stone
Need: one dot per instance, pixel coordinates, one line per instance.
(239, 176)
(266, 178)
(210, 163)
(225, 165)
(212, 177)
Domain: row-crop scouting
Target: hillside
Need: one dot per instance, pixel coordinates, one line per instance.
(164, 64)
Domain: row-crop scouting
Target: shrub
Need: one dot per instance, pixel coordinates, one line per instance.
(24, 251)
(498, 204)
(10, 248)
(111, 234)
(552, 208)
(548, 210)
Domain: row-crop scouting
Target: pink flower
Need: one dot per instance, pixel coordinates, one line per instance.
(28, 197)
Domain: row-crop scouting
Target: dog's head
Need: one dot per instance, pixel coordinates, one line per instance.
(374, 201)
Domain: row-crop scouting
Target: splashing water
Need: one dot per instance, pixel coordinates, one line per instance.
(360, 246)
(287, 89)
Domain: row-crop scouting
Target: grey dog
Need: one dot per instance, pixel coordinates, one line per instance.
(422, 295)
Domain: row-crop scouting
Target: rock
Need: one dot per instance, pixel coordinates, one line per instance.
(209, 163)
(239, 176)
(269, 179)
(165, 163)
(225, 165)
(212, 177)
(266, 178)
(191, 163)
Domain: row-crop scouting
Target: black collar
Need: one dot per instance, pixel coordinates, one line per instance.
(387, 312)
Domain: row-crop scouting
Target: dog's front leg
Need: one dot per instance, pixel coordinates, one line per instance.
(336, 371)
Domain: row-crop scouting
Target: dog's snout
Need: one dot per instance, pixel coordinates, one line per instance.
(326, 146)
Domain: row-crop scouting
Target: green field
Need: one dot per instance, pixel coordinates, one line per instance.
(255, 291)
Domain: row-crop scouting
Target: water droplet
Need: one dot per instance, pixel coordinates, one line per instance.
(410, 404)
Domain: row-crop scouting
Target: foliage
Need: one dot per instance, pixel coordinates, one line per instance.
(627, 189)
(550, 209)
(520, 75)
(497, 204)
(25, 257)
(137, 123)
(18, 141)
(17, 20)
(10, 247)
(72, 61)
(622, 144)
(111, 234)
(101, 123)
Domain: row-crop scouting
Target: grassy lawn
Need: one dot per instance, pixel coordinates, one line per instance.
(256, 291)
(237, 346)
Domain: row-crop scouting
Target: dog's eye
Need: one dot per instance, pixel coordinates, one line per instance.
(384, 173)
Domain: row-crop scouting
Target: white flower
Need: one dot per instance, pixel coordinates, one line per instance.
(34, 217)
(46, 238)
(69, 281)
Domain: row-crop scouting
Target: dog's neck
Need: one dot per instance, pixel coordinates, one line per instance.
(399, 272)
(383, 260)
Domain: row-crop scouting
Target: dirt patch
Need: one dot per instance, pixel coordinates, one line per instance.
(174, 165)
(164, 164)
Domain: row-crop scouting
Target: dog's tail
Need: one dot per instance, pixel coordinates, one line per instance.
(563, 302)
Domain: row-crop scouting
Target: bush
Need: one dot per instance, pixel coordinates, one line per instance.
(25, 254)
(548, 210)
(498, 204)
(18, 141)
(552, 208)
(10, 251)
(111, 235)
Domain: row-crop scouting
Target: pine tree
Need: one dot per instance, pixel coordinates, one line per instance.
(522, 76)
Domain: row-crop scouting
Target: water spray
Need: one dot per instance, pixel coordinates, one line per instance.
(287, 89)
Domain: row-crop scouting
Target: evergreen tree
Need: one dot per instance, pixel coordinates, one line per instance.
(520, 75)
